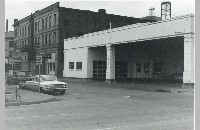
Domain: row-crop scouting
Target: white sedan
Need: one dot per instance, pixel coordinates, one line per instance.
(48, 83)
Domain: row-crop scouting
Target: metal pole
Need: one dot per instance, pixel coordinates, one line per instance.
(39, 78)
(16, 92)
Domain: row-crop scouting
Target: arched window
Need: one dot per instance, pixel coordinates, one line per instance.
(38, 25)
(25, 30)
(35, 26)
(46, 39)
(49, 38)
(42, 23)
(46, 19)
(54, 37)
(42, 40)
(54, 19)
(49, 21)
(39, 41)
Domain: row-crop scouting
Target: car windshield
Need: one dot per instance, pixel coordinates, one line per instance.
(22, 74)
(48, 78)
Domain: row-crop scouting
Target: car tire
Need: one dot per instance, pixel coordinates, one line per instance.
(62, 92)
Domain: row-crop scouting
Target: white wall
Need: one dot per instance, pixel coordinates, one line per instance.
(136, 32)
(75, 55)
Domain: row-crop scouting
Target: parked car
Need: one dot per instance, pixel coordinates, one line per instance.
(19, 77)
(177, 76)
(48, 83)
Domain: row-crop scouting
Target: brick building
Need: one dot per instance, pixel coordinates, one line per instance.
(43, 33)
(9, 49)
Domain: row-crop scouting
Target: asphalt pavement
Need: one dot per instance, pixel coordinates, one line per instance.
(104, 106)
(26, 97)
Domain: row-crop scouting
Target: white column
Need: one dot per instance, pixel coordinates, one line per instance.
(110, 71)
(188, 74)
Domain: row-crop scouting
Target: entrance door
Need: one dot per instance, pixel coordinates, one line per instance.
(99, 69)
(139, 70)
(121, 69)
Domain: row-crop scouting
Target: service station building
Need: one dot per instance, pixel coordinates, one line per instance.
(135, 51)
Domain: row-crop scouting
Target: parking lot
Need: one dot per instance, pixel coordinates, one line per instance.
(101, 106)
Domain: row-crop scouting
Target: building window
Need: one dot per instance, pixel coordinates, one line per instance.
(20, 32)
(71, 65)
(25, 58)
(25, 30)
(42, 40)
(78, 65)
(146, 68)
(138, 65)
(35, 41)
(49, 38)
(15, 32)
(121, 69)
(54, 67)
(22, 43)
(25, 43)
(51, 67)
(54, 37)
(46, 22)
(28, 42)
(11, 44)
(42, 23)
(38, 25)
(35, 26)
(157, 67)
(49, 21)
(39, 40)
(28, 29)
(54, 19)
(46, 39)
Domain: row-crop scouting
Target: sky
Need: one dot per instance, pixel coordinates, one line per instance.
(18, 9)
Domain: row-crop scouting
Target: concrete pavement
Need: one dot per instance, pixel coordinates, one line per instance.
(25, 97)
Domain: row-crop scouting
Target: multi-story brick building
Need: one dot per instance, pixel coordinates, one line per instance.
(9, 49)
(43, 33)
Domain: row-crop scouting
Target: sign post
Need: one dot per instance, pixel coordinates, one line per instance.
(39, 62)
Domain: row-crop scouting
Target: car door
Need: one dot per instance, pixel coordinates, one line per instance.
(36, 84)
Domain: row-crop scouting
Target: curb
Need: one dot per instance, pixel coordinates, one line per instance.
(29, 103)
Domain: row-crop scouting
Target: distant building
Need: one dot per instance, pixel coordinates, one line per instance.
(9, 49)
(43, 33)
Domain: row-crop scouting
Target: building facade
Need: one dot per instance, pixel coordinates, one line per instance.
(43, 33)
(136, 51)
(9, 49)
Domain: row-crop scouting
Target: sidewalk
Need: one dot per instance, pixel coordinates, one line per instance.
(25, 97)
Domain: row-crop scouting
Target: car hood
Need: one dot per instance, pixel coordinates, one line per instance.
(51, 82)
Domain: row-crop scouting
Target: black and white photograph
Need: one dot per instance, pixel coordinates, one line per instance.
(99, 65)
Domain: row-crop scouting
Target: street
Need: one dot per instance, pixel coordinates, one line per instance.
(96, 106)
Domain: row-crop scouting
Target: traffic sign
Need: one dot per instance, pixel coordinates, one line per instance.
(39, 60)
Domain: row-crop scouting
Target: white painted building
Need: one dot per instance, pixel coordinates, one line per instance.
(135, 51)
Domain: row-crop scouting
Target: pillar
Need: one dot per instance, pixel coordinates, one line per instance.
(188, 74)
(110, 71)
